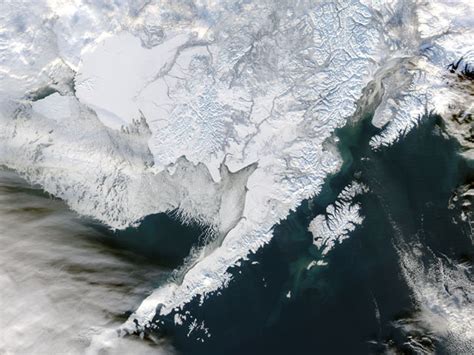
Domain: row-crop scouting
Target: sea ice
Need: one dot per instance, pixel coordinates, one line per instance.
(223, 111)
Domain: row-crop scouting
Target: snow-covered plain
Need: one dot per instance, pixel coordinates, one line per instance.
(221, 110)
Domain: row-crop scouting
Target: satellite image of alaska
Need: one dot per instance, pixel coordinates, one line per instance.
(236, 177)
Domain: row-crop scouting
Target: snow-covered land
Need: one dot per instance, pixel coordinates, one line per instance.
(340, 219)
(221, 110)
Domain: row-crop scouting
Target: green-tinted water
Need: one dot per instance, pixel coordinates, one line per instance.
(351, 306)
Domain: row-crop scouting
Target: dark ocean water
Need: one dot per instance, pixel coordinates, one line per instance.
(63, 280)
(352, 305)
(92, 277)
(161, 238)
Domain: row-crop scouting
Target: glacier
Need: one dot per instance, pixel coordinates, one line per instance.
(223, 111)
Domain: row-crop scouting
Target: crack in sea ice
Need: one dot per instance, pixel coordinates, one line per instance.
(233, 131)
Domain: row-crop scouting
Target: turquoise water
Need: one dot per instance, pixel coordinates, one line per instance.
(353, 305)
